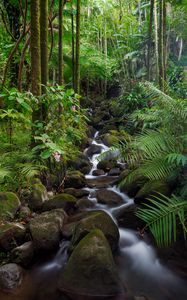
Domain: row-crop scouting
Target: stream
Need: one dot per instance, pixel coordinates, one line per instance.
(138, 265)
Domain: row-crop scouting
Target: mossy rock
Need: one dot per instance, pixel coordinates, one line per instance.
(114, 136)
(106, 165)
(151, 188)
(75, 179)
(9, 205)
(38, 196)
(23, 255)
(65, 201)
(91, 269)
(46, 229)
(11, 235)
(99, 220)
(130, 188)
(77, 193)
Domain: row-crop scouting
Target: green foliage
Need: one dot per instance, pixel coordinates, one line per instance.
(161, 215)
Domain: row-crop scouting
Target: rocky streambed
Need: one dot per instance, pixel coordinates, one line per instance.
(82, 243)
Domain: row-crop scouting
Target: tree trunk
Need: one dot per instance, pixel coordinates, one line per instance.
(35, 60)
(60, 45)
(162, 44)
(44, 42)
(150, 40)
(73, 49)
(77, 64)
(156, 41)
(35, 48)
(44, 49)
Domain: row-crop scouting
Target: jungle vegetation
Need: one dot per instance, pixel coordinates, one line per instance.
(57, 56)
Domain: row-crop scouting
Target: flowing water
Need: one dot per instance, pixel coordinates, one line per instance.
(138, 265)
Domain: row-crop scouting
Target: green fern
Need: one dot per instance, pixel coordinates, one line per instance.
(161, 217)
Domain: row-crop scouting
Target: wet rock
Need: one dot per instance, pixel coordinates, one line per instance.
(93, 149)
(99, 220)
(82, 164)
(151, 188)
(75, 179)
(24, 213)
(11, 235)
(114, 172)
(91, 269)
(9, 205)
(38, 196)
(106, 165)
(112, 138)
(130, 188)
(101, 182)
(11, 276)
(85, 203)
(108, 197)
(46, 229)
(77, 193)
(98, 173)
(65, 201)
(23, 254)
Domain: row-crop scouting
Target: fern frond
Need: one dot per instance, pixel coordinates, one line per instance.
(161, 217)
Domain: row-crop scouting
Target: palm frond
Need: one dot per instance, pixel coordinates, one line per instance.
(161, 217)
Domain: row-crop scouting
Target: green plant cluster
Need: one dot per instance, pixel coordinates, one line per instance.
(19, 160)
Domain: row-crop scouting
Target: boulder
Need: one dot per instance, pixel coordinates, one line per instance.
(108, 197)
(65, 201)
(99, 220)
(98, 172)
(46, 229)
(129, 187)
(112, 138)
(77, 193)
(106, 165)
(91, 270)
(9, 205)
(38, 196)
(11, 276)
(85, 203)
(114, 172)
(93, 149)
(151, 188)
(23, 254)
(82, 164)
(24, 213)
(11, 235)
(75, 179)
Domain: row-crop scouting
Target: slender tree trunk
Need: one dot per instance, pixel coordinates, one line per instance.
(44, 49)
(162, 44)
(60, 45)
(35, 48)
(77, 64)
(156, 41)
(150, 40)
(73, 49)
(44, 42)
(35, 61)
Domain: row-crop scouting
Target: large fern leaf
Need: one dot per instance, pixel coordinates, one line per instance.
(162, 215)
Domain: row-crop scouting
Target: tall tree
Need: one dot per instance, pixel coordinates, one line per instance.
(77, 63)
(150, 40)
(44, 41)
(60, 44)
(35, 48)
(35, 60)
(162, 44)
(156, 41)
(44, 49)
